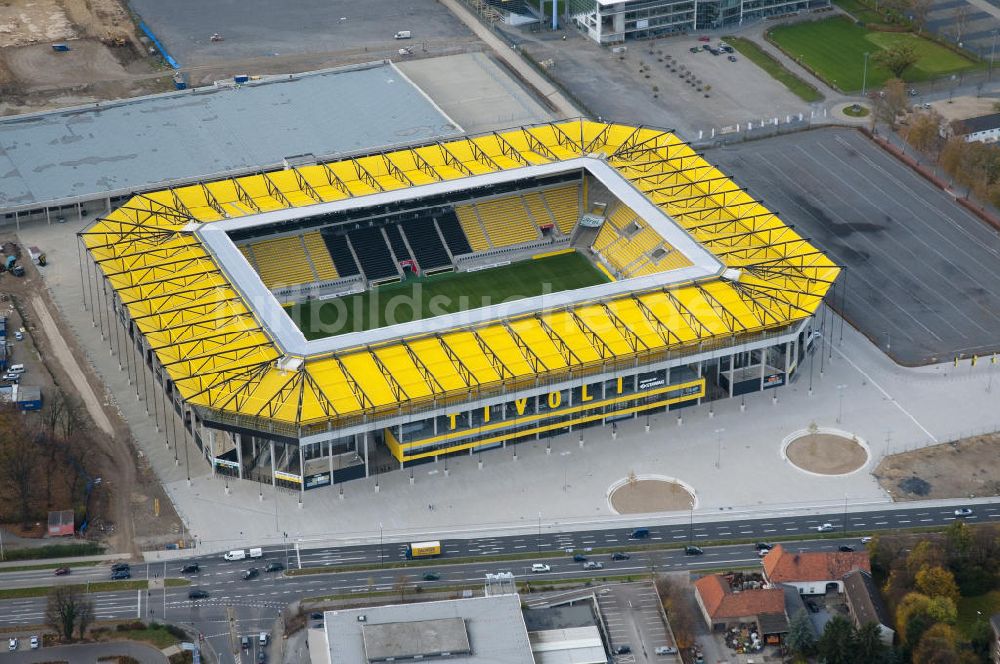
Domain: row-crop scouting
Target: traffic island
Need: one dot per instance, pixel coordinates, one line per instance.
(825, 451)
(642, 494)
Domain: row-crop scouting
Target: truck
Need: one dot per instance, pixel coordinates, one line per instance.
(236, 554)
(37, 255)
(423, 550)
(402, 34)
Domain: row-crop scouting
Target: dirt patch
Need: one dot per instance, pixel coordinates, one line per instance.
(39, 67)
(642, 496)
(826, 454)
(23, 22)
(961, 469)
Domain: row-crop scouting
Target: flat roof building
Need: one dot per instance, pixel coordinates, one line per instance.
(465, 631)
(95, 156)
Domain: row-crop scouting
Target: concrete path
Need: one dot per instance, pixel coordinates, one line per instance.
(564, 108)
(70, 365)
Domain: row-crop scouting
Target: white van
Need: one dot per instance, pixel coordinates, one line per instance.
(238, 554)
(402, 34)
(16, 368)
(256, 553)
(540, 568)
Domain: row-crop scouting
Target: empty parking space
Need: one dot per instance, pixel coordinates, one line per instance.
(922, 280)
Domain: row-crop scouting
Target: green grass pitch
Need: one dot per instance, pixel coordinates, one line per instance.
(426, 297)
(835, 49)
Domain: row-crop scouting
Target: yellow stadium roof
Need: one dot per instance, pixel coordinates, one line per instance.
(222, 358)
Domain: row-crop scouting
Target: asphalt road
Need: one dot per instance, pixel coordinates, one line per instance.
(236, 607)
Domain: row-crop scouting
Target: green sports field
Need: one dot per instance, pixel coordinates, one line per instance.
(426, 297)
(835, 48)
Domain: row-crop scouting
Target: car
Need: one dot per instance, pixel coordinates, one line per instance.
(261, 656)
(121, 574)
(274, 567)
(192, 568)
(251, 573)
(731, 58)
(824, 528)
(431, 576)
(866, 539)
(579, 558)
(695, 49)
(620, 555)
(245, 642)
(963, 511)
(665, 650)
(846, 548)
(263, 639)
(539, 568)
(197, 593)
(725, 48)
(763, 552)
(693, 551)
(763, 546)
(19, 335)
(316, 615)
(12, 644)
(11, 377)
(121, 567)
(913, 92)
(623, 650)
(704, 39)
(61, 571)
(35, 643)
(593, 564)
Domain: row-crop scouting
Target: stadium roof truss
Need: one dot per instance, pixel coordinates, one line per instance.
(231, 351)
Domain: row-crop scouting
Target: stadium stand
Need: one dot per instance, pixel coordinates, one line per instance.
(454, 237)
(343, 259)
(282, 261)
(634, 249)
(564, 205)
(472, 227)
(319, 255)
(397, 243)
(506, 221)
(426, 243)
(373, 252)
(248, 254)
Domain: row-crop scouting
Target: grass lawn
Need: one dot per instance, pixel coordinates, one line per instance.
(778, 71)
(157, 636)
(835, 49)
(426, 297)
(860, 11)
(988, 604)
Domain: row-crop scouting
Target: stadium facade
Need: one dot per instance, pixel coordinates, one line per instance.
(615, 21)
(700, 293)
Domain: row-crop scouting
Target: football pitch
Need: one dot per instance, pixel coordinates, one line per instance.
(417, 298)
(834, 48)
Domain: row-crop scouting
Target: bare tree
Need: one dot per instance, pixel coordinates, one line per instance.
(402, 583)
(66, 609)
(679, 604)
(18, 466)
(919, 9)
(959, 19)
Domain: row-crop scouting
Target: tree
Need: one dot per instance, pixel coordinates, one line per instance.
(897, 59)
(924, 132)
(912, 612)
(402, 582)
(937, 582)
(66, 609)
(801, 640)
(18, 467)
(938, 645)
(836, 645)
(678, 604)
(925, 554)
(959, 18)
(919, 10)
(869, 645)
(891, 102)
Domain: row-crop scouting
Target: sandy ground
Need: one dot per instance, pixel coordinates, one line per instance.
(966, 468)
(826, 454)
(961, 108)
(643, 496)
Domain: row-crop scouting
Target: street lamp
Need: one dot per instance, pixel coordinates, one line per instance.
(864, 76)
(538, 542)
(718, 440)
(379, 543)
(840, 407)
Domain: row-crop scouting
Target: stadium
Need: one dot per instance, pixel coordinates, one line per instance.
(328, 321)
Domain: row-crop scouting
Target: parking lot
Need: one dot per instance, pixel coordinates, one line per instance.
(632, 615)
(611, 86)
(256, 28)
(922, 280)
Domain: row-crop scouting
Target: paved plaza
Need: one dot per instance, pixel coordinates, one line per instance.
(729, 455)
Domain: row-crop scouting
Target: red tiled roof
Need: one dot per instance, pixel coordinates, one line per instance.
(783, 566)
(721, 602)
